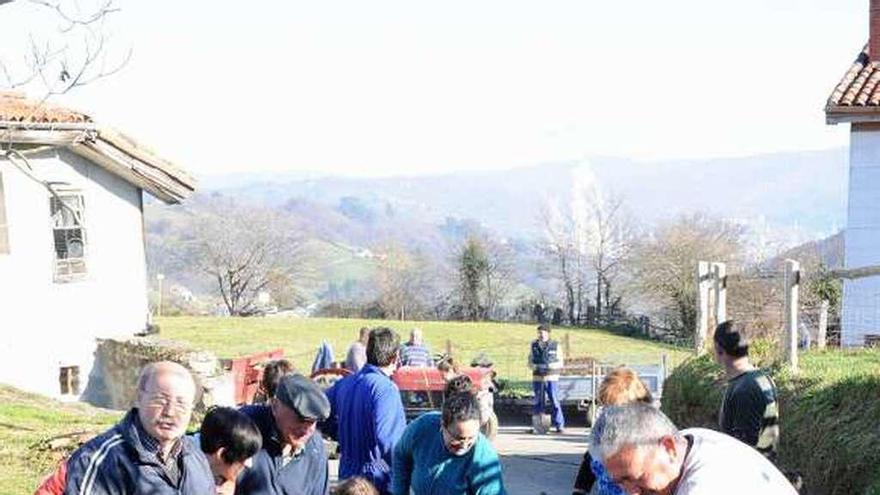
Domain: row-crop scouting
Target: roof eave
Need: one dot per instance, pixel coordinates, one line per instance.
(849, 114)
(112, 151)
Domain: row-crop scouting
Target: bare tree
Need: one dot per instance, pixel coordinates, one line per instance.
(247, 250)
(69, 48)
(565, 259)
(591, 236)
(663, 263)
(400, 281)
(610, 234)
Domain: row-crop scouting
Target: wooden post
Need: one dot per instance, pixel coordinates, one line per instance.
(566, 346)
(792, 282)
(704, 282)
(448, 347)
(823, 325)
(664, 361)
(594, 393)
(719, 286)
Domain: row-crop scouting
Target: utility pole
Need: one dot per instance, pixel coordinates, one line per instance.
(159, 277)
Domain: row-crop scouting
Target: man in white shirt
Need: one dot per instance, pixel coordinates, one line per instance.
(646, 454)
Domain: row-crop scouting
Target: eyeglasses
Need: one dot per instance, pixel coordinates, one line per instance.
(456, 441)
(178, 405)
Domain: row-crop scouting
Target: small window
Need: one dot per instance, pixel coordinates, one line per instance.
(4, 228)
(69, 233)
(69, 380)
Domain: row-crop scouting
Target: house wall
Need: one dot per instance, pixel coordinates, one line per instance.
(43, 324)
(861, 298)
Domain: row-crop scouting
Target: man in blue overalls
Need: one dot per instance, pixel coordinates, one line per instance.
(545, 360)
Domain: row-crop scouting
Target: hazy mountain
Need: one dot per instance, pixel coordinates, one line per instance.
(785, 199)
(803, 190)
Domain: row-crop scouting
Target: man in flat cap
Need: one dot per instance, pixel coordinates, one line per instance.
(293, 460)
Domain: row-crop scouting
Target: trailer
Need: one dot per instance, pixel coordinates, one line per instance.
(579, 382)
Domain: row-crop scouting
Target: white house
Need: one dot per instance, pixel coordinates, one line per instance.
(72, 266)
(856, 100)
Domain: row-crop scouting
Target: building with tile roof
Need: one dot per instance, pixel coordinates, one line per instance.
(72, 255)
(856, 100)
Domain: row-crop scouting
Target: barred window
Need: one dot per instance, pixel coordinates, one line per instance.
(69, 234)
(68, 378)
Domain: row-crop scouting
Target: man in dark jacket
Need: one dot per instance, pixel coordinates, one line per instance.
(293, 460)
(545, 361)
(367, 415)
(749, 411)
(146, 452)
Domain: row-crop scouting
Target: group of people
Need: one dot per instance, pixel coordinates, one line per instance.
(635, 448)
(437, 453)
(413, 353)
(277, 447)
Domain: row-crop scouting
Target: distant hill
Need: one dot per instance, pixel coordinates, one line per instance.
(804, 190)
(827, 252)
(786, 197)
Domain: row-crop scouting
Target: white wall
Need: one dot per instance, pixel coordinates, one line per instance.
(43, 324)
(861, 298)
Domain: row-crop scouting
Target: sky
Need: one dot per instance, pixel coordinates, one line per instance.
(386, 87)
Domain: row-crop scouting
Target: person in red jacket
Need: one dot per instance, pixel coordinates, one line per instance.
(54, 483)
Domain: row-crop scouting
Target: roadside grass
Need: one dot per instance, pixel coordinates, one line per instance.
(829, 414)
(506, 344)
(27, 421)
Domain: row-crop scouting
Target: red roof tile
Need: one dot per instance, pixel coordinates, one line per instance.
(15, 107)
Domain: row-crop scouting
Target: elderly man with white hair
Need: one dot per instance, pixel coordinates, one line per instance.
(146, 452)
(646, 454)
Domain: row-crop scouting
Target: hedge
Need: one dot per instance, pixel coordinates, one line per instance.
(829, 415)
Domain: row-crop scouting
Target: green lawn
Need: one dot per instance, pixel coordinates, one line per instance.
(26, 422)
(506, 344)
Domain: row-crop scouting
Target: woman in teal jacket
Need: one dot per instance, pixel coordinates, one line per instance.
(445, 453)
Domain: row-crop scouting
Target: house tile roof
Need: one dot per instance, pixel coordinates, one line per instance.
(35, 122)
(15, 107)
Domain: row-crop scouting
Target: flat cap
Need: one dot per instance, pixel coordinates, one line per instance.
(303, 396)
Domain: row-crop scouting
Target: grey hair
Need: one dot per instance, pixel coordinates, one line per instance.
(635, 424)
(150, 370)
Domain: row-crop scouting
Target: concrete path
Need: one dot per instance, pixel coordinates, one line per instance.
(534, 464)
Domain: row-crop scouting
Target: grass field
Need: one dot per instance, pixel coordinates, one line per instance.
(506, 344)
(26, 422)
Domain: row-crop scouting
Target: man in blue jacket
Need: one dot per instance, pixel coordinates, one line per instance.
(293, 460)
(367, 413)
(146, 452)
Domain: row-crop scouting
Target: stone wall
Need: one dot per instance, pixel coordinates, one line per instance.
(113, 380)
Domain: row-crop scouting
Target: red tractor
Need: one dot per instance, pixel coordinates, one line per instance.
(421, 390)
